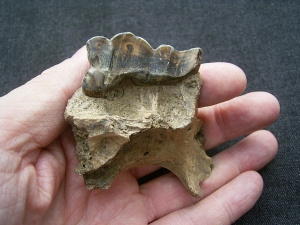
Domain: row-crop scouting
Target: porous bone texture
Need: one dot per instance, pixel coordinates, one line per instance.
(122, 119)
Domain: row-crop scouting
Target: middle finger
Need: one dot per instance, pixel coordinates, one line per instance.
(237, 117)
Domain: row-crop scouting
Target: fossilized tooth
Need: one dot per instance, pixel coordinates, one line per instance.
(150, 124)
(127, 55)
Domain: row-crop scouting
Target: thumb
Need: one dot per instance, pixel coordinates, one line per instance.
(33, 115)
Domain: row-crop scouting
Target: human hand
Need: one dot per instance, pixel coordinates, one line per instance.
(38, 184)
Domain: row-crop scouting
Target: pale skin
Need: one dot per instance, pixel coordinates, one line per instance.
(38, 184)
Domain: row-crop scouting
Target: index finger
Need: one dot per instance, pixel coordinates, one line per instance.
(221, 82)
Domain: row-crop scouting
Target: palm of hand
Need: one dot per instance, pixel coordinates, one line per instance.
(38, 183)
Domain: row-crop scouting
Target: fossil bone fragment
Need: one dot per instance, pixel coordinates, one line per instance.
(137, 106)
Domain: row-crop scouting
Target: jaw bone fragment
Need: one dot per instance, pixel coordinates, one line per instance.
(137, 106)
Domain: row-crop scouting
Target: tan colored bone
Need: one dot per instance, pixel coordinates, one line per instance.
(136, 125)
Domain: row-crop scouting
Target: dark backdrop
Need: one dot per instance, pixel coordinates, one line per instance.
(261, 37)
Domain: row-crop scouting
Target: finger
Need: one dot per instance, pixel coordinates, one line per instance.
(224, 206)
(221, 82)
(32, 115)
(166, 194)
(252, 153)
(237, 117)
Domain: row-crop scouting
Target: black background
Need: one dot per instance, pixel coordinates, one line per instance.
(261, 37)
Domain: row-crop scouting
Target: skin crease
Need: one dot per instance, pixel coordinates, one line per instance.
(37, 180)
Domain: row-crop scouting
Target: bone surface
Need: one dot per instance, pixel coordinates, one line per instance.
(132, 121)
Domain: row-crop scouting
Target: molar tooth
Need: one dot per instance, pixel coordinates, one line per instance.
(126, 55)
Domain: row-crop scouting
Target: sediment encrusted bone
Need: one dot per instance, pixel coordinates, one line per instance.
(134, 125)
